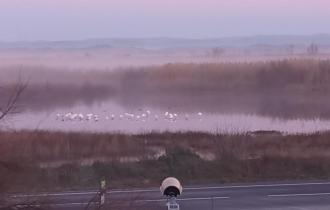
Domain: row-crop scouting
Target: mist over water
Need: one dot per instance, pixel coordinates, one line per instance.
(290, 96)
(101, 100)
(111, 117)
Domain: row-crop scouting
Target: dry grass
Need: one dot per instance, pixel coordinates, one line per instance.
(236, 158)
(43, 146)
(287, 88)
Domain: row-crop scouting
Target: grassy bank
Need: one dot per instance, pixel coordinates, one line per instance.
(53, 161)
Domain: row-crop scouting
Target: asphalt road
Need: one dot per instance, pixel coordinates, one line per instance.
(279, 196)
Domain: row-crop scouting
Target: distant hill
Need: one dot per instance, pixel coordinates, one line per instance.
(160, 43)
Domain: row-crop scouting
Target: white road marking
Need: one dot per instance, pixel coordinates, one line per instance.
(185, 189)
(152, 200)
(226, 187)
(72, 204)
(209, 198)
(296, 195)
(183, 199)
(55, 194)
(155, 200)
(58, 204)
(257, 186)
(131, 191)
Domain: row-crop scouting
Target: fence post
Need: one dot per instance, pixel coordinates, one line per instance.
(102, 191)
(212, 200)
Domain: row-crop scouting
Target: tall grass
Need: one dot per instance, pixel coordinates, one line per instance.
(295, 88)
(44, 146)
(235, 158)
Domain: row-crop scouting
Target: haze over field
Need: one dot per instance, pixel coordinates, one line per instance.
(104, 94)
(82, 19)
(100, 59)
(290, 96)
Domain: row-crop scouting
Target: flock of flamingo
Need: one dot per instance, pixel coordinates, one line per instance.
(143, 117)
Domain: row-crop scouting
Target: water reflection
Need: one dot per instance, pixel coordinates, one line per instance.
(230, 97)
(111, 117)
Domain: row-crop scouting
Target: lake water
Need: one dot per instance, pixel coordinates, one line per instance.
(109, 116)
(91, 99)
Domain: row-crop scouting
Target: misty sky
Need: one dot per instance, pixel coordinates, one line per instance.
(81, 19)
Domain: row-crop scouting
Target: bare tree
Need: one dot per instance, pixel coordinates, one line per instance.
(10, 98)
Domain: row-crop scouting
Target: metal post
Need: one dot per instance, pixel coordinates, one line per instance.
(212, 200)
(172, 204)
(102, 191)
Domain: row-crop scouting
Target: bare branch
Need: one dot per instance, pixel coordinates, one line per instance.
(10, 107)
